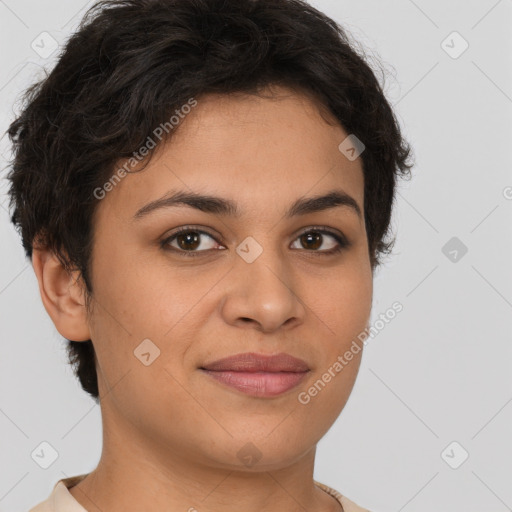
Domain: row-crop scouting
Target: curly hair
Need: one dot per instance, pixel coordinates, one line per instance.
(132, 63)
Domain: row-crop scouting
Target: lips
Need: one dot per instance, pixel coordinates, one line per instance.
(258, 375)
(252, 362)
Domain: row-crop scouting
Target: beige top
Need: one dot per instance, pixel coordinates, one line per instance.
(61, 500)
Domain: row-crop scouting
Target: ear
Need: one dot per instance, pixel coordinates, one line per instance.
(62, 294)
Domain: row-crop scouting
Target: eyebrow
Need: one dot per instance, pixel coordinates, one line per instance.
(226, 207)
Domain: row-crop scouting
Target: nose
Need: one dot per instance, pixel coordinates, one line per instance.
(261, 295)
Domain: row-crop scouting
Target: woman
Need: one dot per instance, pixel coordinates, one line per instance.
(204, 188)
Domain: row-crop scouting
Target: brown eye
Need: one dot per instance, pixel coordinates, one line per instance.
(311, 240)
(315, 238)
(188, 240)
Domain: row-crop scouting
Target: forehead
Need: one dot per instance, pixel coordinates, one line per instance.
(260, 151)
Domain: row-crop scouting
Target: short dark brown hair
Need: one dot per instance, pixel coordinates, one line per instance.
(132, 63)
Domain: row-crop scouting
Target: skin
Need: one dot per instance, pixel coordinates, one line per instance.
(170, 433)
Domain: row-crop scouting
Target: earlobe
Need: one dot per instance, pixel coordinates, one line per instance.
(63, 295)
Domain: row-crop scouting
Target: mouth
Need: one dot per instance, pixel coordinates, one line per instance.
(257, 374)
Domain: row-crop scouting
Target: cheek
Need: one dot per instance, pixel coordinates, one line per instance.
(344, 307)
(166, 308)
(139, 300)
(344, 303)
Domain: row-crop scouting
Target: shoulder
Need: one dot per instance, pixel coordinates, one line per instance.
(348, 505)
(60, 499)
(44, 506)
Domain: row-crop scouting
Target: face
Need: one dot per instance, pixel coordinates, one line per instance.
(268, 280)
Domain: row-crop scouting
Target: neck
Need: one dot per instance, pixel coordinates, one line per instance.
(135, 470)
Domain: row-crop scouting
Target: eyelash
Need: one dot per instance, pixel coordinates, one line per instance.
(343, 243)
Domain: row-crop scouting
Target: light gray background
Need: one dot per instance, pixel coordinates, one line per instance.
(438, 373)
